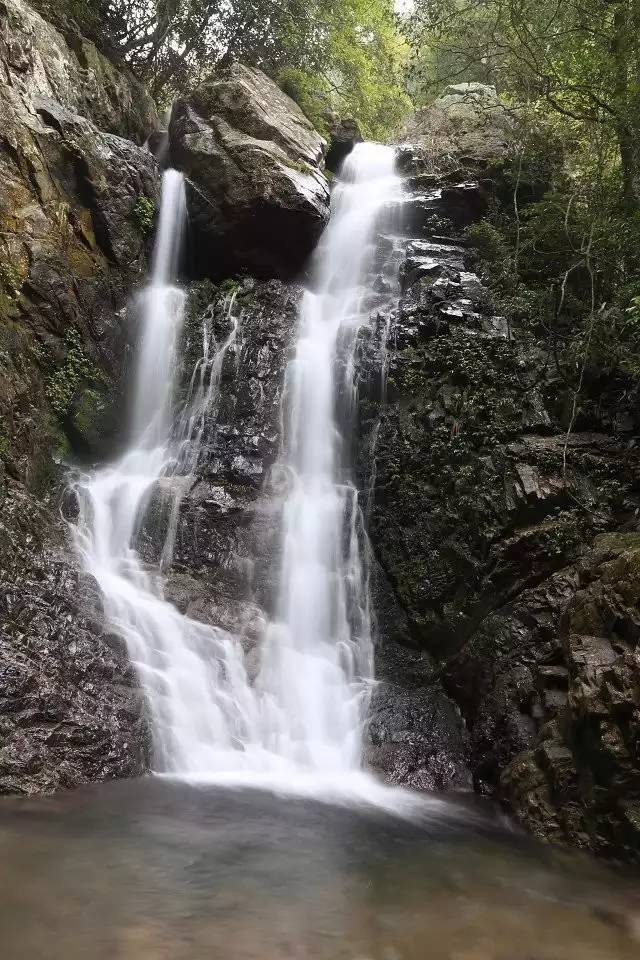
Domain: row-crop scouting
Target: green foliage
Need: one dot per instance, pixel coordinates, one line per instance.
(486, 240)
(70, 381)
(144, 213)
(577, 61)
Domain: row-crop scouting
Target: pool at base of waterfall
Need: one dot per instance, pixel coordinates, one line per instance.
(158, 868)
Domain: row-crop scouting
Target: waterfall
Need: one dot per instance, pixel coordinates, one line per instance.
(192, 674)
(318, 658)
(306, 708)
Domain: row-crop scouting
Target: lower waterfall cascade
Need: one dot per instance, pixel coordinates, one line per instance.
(305, 710)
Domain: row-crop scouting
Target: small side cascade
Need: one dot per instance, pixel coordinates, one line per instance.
(192, 674)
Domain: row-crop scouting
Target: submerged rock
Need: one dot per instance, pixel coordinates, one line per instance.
(257, 199)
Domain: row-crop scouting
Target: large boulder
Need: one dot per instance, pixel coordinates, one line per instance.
(257, 198)
(467, 120)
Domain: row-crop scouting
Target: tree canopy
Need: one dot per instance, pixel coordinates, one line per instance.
(346, 56)
(572, 59)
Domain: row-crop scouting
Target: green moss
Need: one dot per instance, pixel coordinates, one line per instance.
(89, 408)
(144, 214)
(10, 284)
(230, 285)
(295, 165)
(65, 385)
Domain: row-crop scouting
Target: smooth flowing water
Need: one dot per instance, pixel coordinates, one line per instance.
(192, 674)
(306, 708)
(318, 658)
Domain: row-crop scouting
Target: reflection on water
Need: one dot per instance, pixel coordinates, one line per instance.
(159, 869)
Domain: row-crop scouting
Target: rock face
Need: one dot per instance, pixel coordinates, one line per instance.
(467, 120)
(490, 524)
(344, 134)
(581, 778)
(227, 542)
(70, 708)
(71, 244)
(72, 249)
(257, 199)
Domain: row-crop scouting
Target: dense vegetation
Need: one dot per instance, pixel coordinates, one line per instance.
(344, 57)
(565, 248)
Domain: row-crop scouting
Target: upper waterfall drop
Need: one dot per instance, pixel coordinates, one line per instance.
(317, 662)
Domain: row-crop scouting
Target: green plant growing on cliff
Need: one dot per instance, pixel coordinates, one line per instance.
(484, 237)
(144, 213)
(63, 386)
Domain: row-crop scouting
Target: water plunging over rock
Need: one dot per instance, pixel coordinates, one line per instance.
(186, 668)
(318, 655)
(305, 708)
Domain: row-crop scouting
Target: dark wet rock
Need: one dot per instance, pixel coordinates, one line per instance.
(343, 136)
(70, 708)
(579, 779)
(483, 522)
(415, 735)
(257, 197)
(227, 543)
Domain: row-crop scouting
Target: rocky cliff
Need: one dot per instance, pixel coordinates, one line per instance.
(490, 522)
(505, 546)
(76, 192)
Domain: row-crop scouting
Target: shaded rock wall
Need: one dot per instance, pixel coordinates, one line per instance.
(72, 250)
(488, 520)
(227, 543)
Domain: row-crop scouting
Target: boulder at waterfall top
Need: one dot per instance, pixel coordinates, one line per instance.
(257, 197)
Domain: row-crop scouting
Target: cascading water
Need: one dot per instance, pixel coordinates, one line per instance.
(305, 709)
(192, 673)
(318, 658)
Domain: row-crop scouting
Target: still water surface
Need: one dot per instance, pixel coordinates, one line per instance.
(159, 869)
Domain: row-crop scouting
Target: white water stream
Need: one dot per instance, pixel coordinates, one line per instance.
(306, 707)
